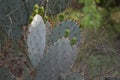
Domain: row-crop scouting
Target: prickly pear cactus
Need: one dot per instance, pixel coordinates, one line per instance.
(60, 56)
(59, 31)
(13, 17)
(58, 59)
(14, 14)
(36, 39)
(4, 74)
(57, 6)
(73, 76)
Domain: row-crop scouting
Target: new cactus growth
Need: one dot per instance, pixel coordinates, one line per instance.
(41, 10)
(30, 19)
(45, 18)
(80, 26)
(36, 6)
(61, 17)
(73, 41)
(36, 11)
(67, 33)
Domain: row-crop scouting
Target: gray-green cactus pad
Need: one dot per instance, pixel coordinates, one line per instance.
(59, 59)
(14, 14)
(36, 39)
(5, 75)
(59, 30)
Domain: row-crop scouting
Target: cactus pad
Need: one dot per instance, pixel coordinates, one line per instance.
(36, 38)
(58, 59)
(59, 31)
(5, 75)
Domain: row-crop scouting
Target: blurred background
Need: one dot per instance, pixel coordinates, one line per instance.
(99, 50)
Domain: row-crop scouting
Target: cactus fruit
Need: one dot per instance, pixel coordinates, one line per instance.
(36, 38)
(59, 30)
(73, 41)
(58, 59)
(67, 32)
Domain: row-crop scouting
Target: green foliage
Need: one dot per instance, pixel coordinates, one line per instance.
(92, 17)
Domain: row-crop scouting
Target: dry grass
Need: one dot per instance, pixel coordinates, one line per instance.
(97, 56)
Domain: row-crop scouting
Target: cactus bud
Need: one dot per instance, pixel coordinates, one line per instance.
(35, 12)
(73, 41)
(67, 32)
(45, 18)
(30, 19)
(41, 10)
(61, 17)
(36, 6)
(80, 26)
